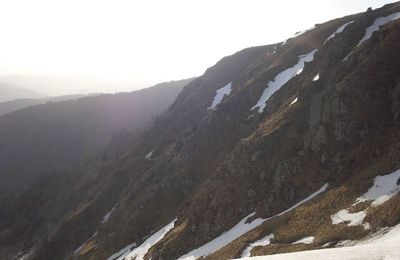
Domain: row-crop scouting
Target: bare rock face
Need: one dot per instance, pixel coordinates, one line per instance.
(283, 171)
(395, 104)
(315, 111)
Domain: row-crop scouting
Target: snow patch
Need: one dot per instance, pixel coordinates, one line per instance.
(347, 57)
(326, 244)
(354, 219)
(139, 252)
(294, 101)
(250, 117)
(377, 24)
(343, 243)
(124, 250)
(382, 246)
(281, 80)
(384, 188)
(366, 226)
(316, 77)
(306, 240)
(373, 28)
(239, 229)
(25, 256)
(299, 71)
(310, 197)
(107, 216)
(84, 243)
(148, 156)
(261, 242)
(219, 96)
(339, 30)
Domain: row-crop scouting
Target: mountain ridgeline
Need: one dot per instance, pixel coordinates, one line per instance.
(9, 91)
(273, 149)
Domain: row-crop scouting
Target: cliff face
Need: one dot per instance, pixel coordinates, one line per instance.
(291, 135)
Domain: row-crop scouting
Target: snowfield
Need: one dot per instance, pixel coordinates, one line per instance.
(339, 30)
(107, 216)
(281, 80)
(353, 219)
(84, 243)
(379, 247)
(261, 242)
(139, 252)
(373, 28)
(294, 101)
(378, 23)
(240, 229)
(148, 156)
(306, 240)
(382, 190)
(219, 96)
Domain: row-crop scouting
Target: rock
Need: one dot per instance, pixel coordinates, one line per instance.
(320, 138)
(206, 226)
(291, 194)
(341, 130)
(282, 171)
(251, 193)
(193, 228)
(315, 111)
(324, 158)
(307, 141)
(256, 156)
(338, 107)
(261, 175)
(395, 104)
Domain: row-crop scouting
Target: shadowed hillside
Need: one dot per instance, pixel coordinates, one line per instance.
(58, 135)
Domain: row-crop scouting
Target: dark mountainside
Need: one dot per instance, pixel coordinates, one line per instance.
(60, 135)
(335, 122)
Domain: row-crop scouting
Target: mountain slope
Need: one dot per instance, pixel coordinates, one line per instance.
(280, 148)
(58, 135)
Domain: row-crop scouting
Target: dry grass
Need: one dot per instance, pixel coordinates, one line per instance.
(387, 214)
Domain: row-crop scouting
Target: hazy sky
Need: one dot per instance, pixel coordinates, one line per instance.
(145, 42)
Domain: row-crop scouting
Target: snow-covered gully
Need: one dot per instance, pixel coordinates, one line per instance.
(281, 79)
(138, 253)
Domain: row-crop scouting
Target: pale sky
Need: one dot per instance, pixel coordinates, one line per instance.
(146, 42)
